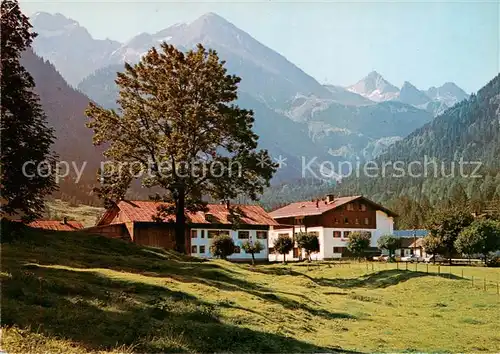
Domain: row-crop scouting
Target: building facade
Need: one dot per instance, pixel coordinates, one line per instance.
(136, 222)
(332, 220)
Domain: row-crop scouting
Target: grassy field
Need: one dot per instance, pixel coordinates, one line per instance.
(87, 215)
(69, 292)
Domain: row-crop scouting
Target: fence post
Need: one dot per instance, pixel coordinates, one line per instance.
(427, 268)
(439, 269)
(462, 273)
(397, 264)
(406, 263)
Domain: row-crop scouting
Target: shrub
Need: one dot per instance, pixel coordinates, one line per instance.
(222, 246)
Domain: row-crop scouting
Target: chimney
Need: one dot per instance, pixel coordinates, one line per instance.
(317, 203)
(330, 198)
(227, 204)
(65, 220)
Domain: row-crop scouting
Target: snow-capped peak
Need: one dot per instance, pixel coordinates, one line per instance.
(375, 87)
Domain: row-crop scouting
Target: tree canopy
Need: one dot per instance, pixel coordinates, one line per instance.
(358, 243)
(282, 245)
(482, 236)
(309, 242)
(178, 130)
(446, 225)
(389, 242)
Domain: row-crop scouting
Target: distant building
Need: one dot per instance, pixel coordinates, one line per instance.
(134, 221)
(332, 219)
(411, 233)
(57, 225)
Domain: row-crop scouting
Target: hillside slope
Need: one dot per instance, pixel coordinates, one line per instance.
(71, 292)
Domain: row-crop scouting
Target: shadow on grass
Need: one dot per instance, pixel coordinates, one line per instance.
(101, 313)
(52, 288)
(380, 279)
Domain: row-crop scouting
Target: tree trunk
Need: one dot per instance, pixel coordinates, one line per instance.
(284, 258)
(180, 222)
(253, 259)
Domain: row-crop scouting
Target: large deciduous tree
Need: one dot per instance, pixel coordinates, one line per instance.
(446, 225)
(482, 236)
(25, 137)
(282, 245)
(308, 242)
(177, 122)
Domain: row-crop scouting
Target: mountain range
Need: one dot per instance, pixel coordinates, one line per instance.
(295, 115)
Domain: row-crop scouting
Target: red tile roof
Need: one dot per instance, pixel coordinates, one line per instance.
(143, 211)
(56, 225)
(308, 208)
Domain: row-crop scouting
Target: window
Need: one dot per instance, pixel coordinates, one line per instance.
(363, 207)
(356, 221)
(346, 221)
(261, 235)
(243, 235)
(315, 233)
(202, 249)
(194, 249)
(338, 249)
(212, 233)
(271, 250)
(367, 233)
(237, 249)
(336, 221)
(346, 234)
(295, 252)
(367, 221)
(202, 233)
(350, 207)
(337, 234)
(194, 233)
(283, 235)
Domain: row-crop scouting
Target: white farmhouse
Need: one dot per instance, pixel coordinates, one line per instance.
(332, 219)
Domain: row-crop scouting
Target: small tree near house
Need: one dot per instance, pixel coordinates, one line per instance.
(222, 246)
(252, 248)
(447, 224)
(358, 243)
(432, 245)
(390, 243)
(308, 242)
(282, 245)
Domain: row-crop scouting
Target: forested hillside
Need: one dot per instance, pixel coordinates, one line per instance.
(467, 135)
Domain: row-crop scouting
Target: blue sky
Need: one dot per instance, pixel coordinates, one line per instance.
(426, 43)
